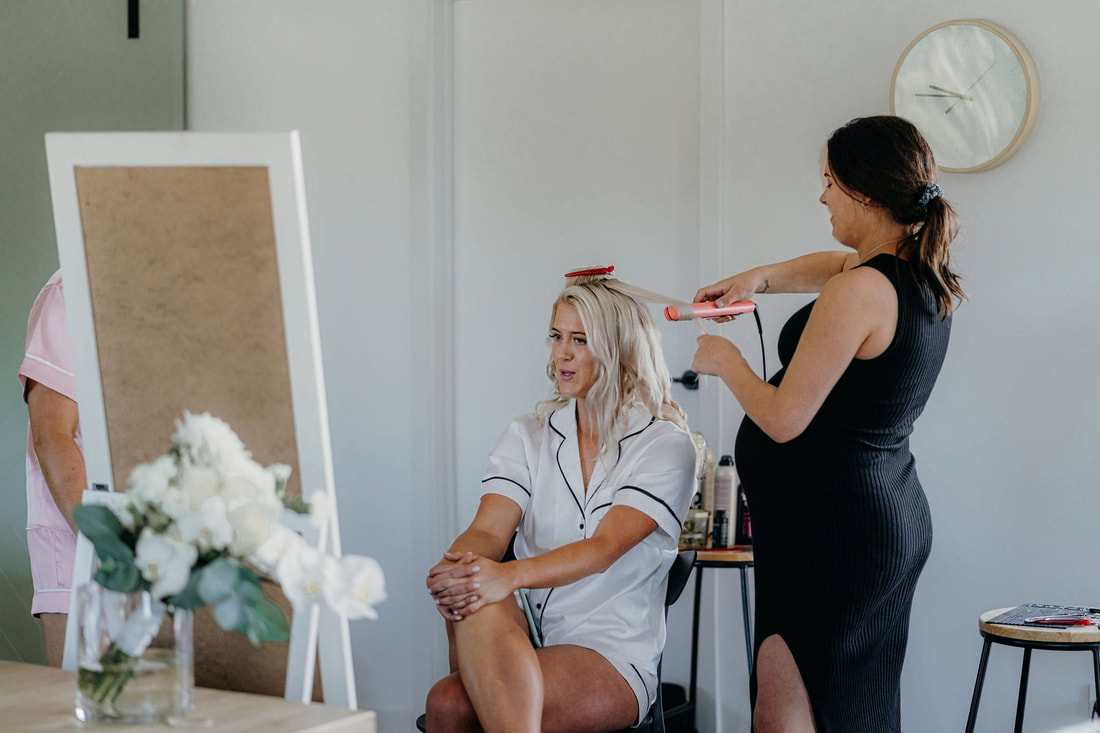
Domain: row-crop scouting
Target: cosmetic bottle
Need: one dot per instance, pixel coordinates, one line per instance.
(725, 484)
(720, 534)
(742, 531)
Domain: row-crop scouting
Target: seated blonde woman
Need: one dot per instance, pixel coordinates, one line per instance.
(594, 486)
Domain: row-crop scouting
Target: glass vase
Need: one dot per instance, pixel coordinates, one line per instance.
(134, 658)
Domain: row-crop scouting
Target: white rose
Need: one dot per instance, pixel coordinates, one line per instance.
(240, 489)
(280, 542)
(164, 562)
(353, 586)
(253, 523)
(199, 484)
(208, 528)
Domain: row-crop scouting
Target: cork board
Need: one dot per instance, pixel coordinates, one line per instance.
(184, 281)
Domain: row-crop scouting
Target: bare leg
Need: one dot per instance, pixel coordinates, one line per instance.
(782, 703)
(498, 681)
(584, 692)
(53, 636)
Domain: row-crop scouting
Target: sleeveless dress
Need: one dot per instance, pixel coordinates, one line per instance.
(841, 526)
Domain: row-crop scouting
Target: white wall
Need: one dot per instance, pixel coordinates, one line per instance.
(1004, 447)
(339, 72)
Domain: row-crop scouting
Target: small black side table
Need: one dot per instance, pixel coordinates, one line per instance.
(731, 557)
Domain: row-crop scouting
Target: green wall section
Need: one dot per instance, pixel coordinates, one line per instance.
(64, 65)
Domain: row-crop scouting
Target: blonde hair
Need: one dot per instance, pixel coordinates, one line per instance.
(629, 365)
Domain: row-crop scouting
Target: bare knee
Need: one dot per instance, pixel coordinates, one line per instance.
(782, 703)
(449, 708)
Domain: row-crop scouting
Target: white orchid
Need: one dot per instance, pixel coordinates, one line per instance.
(302, 574)
(164, 561)
(353, 586)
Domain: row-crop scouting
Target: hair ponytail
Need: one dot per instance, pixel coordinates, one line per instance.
(929, 255)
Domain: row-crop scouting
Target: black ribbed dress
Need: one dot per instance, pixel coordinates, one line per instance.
(841, 527)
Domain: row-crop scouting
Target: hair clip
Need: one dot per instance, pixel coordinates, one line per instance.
(592, 271)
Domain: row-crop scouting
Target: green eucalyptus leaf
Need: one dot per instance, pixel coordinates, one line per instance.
(188, 597)
(230, 614)
(248, 586)
(96, 520)
(120, 576)
(217, 580)
(101, 526)
(266, 622)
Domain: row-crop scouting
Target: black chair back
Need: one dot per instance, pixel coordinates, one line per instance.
(678, 575)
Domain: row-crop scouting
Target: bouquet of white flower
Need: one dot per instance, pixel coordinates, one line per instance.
(201, 525)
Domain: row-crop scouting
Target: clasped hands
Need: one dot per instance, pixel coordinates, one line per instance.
(464, 582)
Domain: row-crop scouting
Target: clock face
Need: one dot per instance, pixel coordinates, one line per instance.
(968, 91)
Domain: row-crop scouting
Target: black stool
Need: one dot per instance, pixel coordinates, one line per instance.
(1073, 638)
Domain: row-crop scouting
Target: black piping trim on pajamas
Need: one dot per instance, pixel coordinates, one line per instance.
(601, 506)
(644, 685)
(545, 602)
(557, 459)
(636, 432)
(505, 478)
(657, 499)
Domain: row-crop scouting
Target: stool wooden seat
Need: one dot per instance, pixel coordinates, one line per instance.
(1073, 638)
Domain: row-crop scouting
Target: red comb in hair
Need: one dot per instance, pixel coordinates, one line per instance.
(592, 271)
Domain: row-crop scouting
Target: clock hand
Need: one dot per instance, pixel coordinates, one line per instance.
(948, 92)
(972, 86)
(946, 96)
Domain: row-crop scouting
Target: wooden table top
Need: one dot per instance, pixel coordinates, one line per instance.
(38, 698)
(1073, 634)
(726, 555)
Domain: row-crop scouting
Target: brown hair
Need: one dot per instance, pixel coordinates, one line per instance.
(887, 160)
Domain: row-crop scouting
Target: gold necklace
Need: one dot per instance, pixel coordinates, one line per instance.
(878, 247)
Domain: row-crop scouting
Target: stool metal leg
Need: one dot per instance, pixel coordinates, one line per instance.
(1024, 670)
(745, 614)
(1096, 671)
(976, 698)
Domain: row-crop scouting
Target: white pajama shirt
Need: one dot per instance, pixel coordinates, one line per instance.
(618, 613)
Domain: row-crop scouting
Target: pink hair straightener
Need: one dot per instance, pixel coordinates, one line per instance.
(707, 310)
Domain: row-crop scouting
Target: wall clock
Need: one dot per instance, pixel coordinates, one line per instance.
(972, 89)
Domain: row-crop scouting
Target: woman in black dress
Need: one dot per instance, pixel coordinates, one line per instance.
(841, 527)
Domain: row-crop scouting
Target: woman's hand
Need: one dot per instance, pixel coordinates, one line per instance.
(732, 290)
(713, 354)
(449, 580)
(463, 583)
